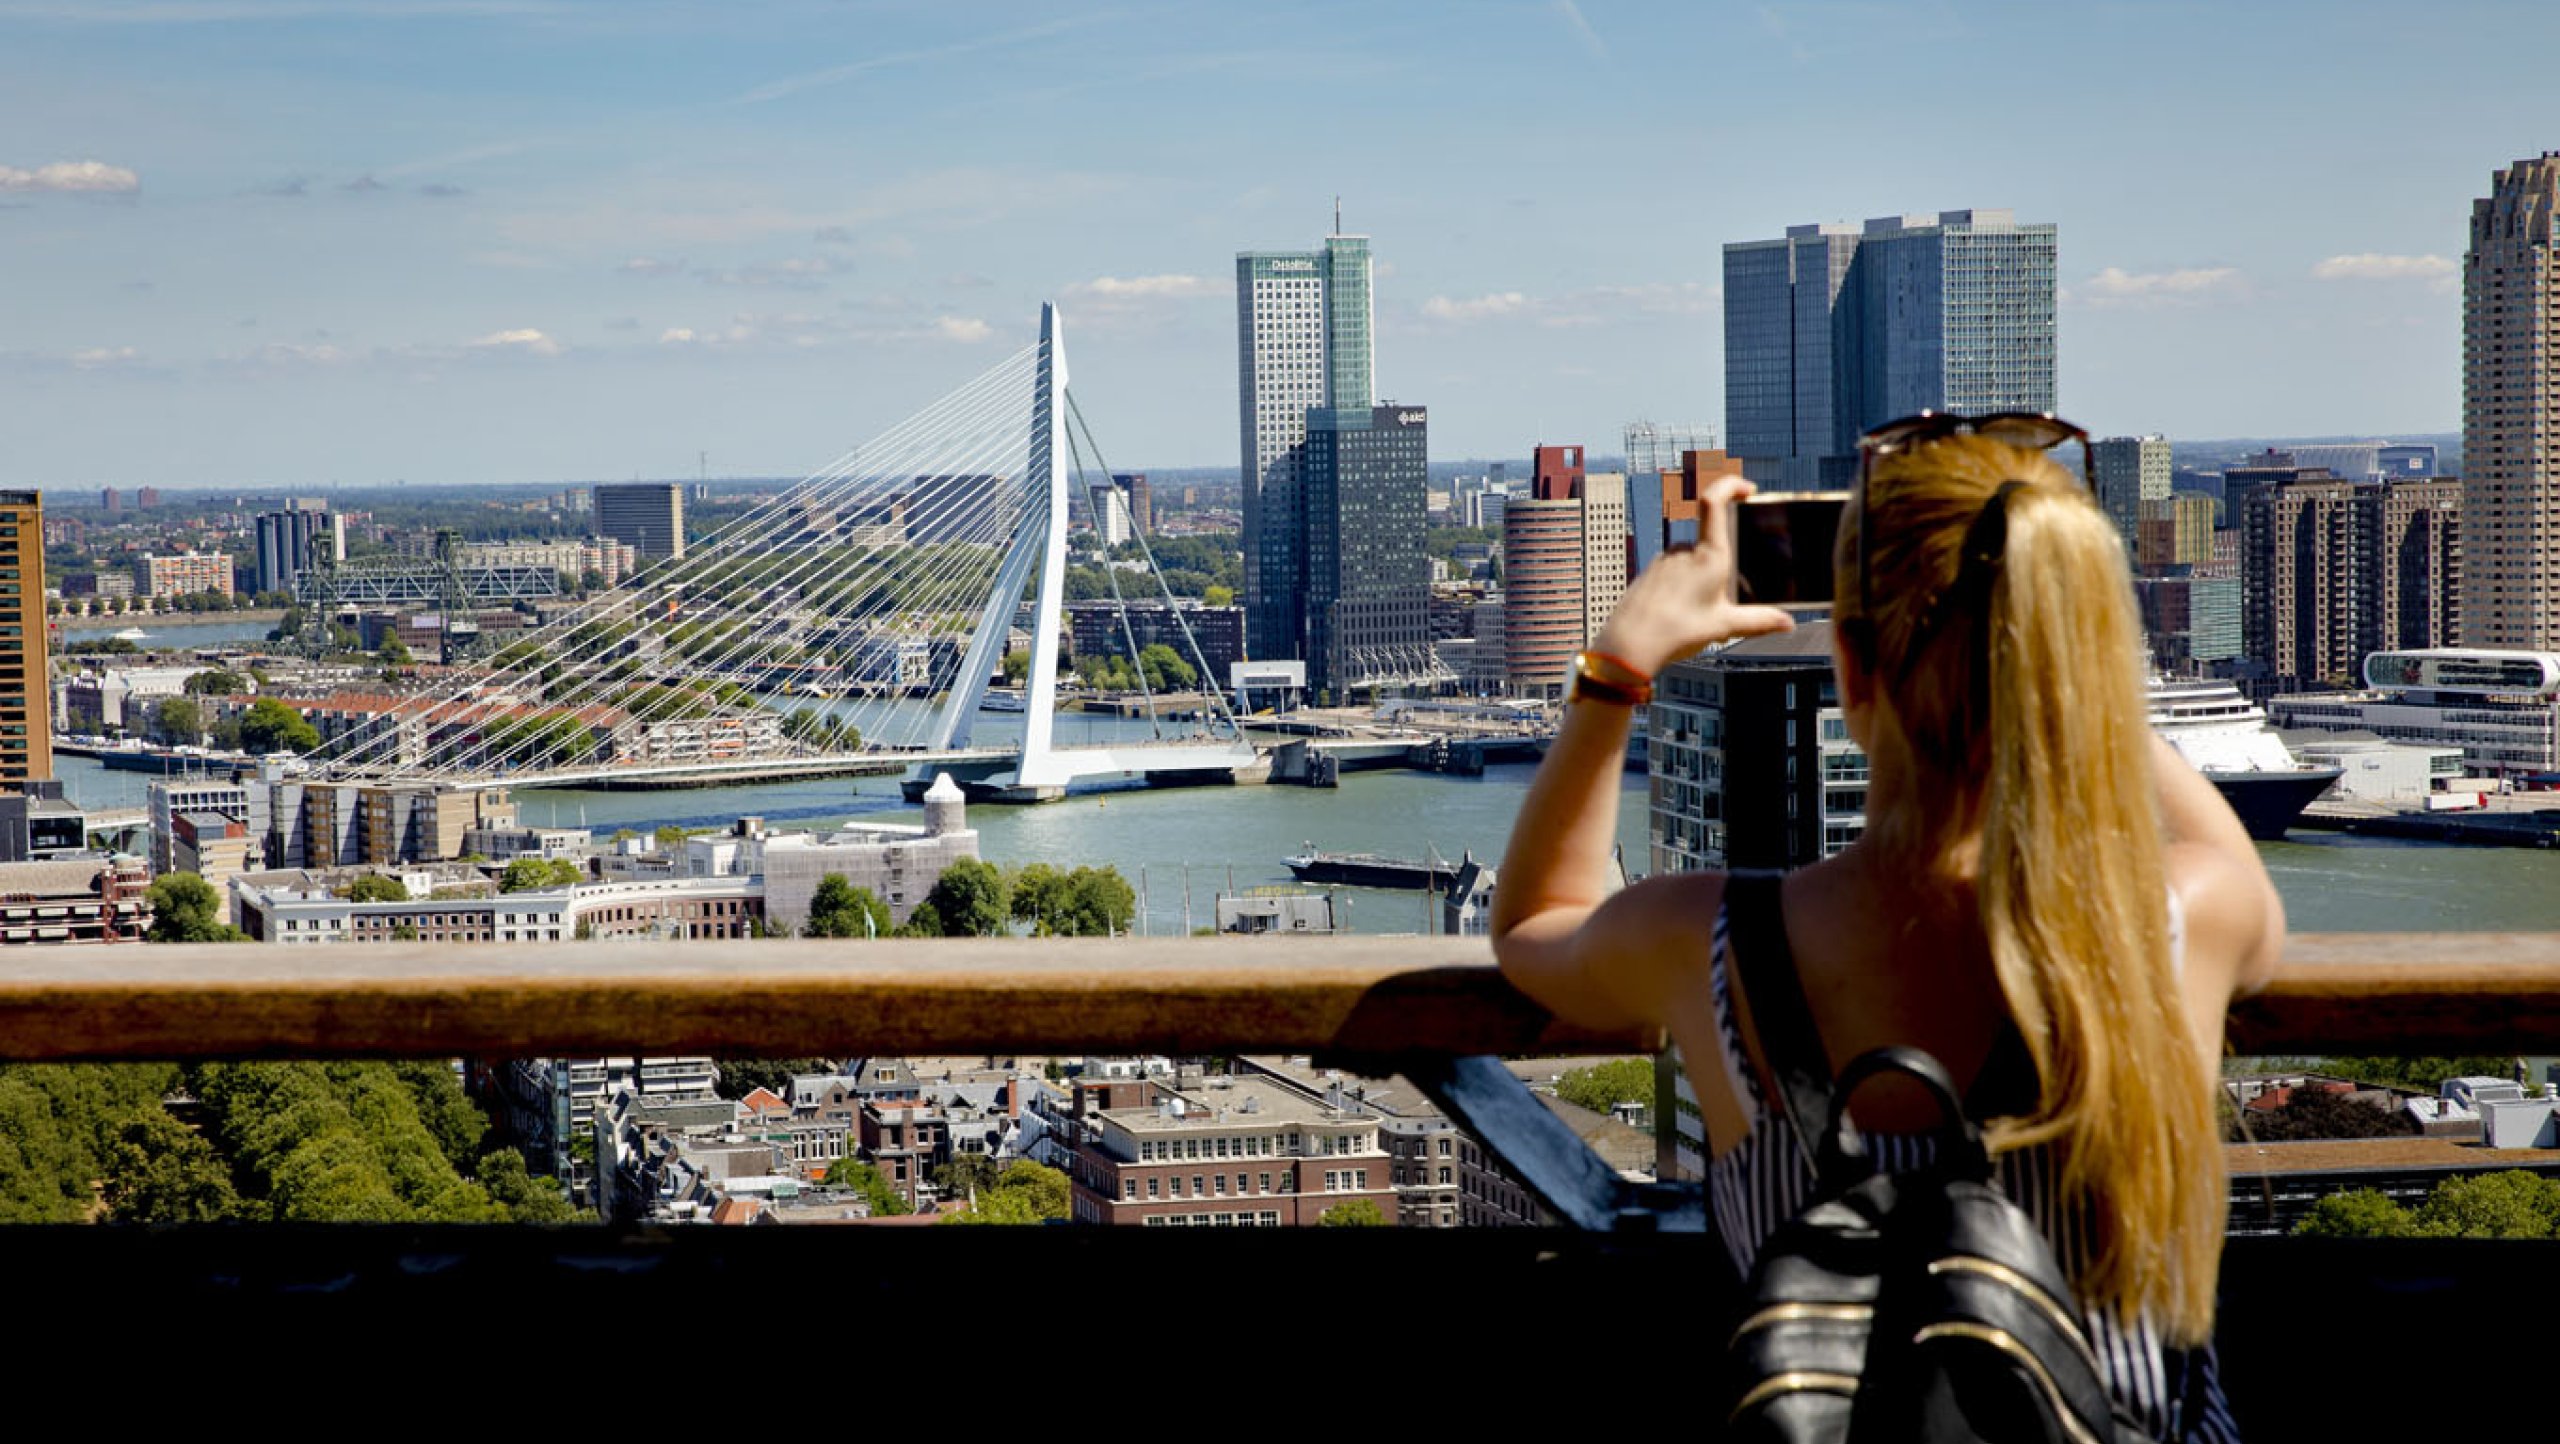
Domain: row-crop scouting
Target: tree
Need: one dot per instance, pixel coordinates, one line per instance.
(186, 909)
(669, 836)
(374, 887)
(1358, 1213)
(215, 682)
(1094, 903)
(526, 1199)
(968, 900)
(739, 1077)
(1017, 667)
(1024, 1193)
(2422, 1074)
(1604, 1086)
(2357, 1213)
(271, 726)
(158, 1170)
(2512, 1204)
(965, 1175)
(924, 922)
(1038, 891)
(178, 719)
(1217, 596)
(867, 1180)
(529, 874)
(838, 909)
(1166, 671)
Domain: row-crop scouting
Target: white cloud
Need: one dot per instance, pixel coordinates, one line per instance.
(2116, 286)
(526, 340)
(802, 273)
(650, 266)
(2368, 266)
(962, 328)
(94, 177)
(99, 358)
(675, 335)
(1499, 303)
(1151, 288)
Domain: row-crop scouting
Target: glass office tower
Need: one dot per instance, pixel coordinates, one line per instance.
(1303, 341)
(1829, 331)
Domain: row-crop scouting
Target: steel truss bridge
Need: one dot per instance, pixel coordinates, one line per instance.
(853, 621)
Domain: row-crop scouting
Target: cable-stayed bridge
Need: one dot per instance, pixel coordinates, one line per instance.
(852, 623)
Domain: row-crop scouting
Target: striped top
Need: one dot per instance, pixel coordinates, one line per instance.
(1768, 1178)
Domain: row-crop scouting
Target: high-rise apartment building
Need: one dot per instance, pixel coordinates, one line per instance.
(1302, 343)
(294, 540)
(1564, 560)
(1829, 331)
(2130, 477)
(182, 574)
(2333, 571)
(1367, 593)
(648, 515)
(1141, 501)
(2511, 413)
(26, 694)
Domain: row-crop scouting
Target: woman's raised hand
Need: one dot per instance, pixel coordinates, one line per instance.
(1685, 600)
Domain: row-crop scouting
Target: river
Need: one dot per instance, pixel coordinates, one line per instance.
(1210, 837)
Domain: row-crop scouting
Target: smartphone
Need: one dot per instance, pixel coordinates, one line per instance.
(1782, 546)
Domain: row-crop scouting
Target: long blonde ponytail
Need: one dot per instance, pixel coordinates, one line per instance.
(2024, 725)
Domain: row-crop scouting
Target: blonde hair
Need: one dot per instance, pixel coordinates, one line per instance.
(2021, 729)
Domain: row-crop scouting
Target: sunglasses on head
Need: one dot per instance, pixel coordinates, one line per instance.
(2030, 430)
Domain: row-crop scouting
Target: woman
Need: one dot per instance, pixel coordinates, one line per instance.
(2037, 869)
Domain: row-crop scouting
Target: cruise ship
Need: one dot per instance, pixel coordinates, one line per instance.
(2226, 737)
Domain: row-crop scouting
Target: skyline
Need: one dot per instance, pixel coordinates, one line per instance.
(290, 243)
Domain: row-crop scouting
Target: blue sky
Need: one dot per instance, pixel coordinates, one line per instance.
(290, 242)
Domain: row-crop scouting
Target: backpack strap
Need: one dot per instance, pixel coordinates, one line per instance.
(1763, 970)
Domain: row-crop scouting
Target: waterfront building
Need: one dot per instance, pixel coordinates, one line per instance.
(1605, 548)
(1365, 600)
(2333, 570)
(304, 907)
(26, 694)
(294, 540)
(1830, 330)
(1303, 343)
(2510, 410)
(1565, 551)
(182, 574)
(2500, 706)
(648, 516)
(1096, 629)
(2130, 477)
(93, 899)
(899, 863)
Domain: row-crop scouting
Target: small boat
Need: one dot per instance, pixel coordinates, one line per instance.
(1004, 702)
(132, 634)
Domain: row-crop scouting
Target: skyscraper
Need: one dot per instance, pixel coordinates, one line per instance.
(2131, 479)
(646, 515)
(26, 694)
(1829, 331)
(1367, 598)
(2510, 414)
(1302, 342)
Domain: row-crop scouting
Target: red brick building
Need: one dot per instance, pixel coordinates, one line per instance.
(1225, 1151)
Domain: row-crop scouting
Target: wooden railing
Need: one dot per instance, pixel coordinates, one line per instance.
(2414, 993)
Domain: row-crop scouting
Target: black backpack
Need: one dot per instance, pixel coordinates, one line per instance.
(1916, 1306)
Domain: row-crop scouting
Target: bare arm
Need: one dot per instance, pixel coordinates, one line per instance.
(1595, 964)
(2235, 920)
